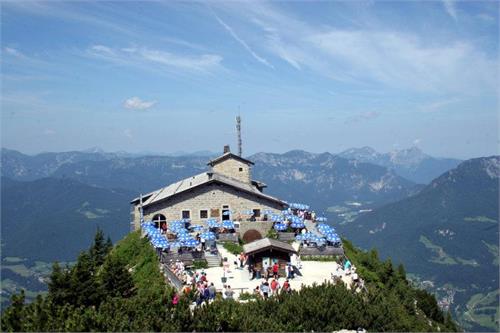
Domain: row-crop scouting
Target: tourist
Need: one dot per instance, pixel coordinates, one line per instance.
(175, 299)
(347, 267)
(275, 285)
(203, 247)
(224, 288)
(242, 259)
(251, 272)
(256, 291)
(265, 289)
(229, 293)
(212, 291)
(206, 294)
(276, 270)
(237, 262)
(286, 287)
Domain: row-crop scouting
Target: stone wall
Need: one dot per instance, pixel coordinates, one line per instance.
(231, 168)
(262, 227)
(210, 197)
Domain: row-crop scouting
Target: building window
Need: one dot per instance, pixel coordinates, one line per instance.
(241, 169)
(256, 212)
(186, 214)
(203, 214)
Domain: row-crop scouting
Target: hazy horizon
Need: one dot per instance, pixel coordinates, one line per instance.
(233, 149)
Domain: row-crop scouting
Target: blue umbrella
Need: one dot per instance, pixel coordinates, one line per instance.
(181, 231)
(228, 224)
(321, 219)
(227, 212)
(184, 237)
(176, 244)
(297, 225)
(191, 243)
(280, 226)
(213, 224)
(208, 235)
(247, 212)
(300, 238)
(197, 227)
(268, 211)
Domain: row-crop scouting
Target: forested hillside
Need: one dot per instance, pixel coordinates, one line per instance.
(448, 235)
(122, 289)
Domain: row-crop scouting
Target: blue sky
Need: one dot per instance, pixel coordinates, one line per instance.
(318, 76)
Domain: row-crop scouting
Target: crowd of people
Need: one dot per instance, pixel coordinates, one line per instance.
(273, 288)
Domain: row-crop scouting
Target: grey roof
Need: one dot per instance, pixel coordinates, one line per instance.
(266, 243)
(144, 198)
(229, 155)
(202, 179)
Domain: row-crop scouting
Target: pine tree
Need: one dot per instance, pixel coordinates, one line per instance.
(13, 316)
(99, 249)
(84, 283)
(60, 289)
(115, 279)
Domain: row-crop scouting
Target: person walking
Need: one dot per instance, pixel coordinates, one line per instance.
(212, 291)
(229, 293)
(275, 270)
(275, 285)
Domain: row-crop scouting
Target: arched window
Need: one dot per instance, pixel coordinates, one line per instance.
(159, 219)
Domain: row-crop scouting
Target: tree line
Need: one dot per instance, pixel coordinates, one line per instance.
(121, 288)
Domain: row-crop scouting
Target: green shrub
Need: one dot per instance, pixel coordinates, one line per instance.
(233, 247)
(200, 263)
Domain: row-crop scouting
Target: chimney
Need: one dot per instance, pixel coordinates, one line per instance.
(226, 149)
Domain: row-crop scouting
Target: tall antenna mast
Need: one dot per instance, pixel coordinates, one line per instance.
(238, 130)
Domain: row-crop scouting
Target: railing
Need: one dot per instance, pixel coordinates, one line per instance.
(228, 237)
(174, 280)
(321, 251)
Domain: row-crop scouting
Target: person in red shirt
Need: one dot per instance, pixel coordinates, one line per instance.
(275, 286)
(275, 270)
(286, 287)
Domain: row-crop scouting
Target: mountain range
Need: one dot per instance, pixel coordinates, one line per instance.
(411, 163)
(325, 179)
(446, 234)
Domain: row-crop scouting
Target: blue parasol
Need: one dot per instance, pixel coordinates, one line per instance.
(191, 243)
(208, 235)
(197, 228)
(228, 224)
(280, 226)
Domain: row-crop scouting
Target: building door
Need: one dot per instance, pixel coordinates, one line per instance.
(226, 213)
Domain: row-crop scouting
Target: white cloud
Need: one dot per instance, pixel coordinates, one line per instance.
(449, 6)
(142, 56)
(135, 103)
(13, 52)
(243, 43)
(416, 142)
(375, 55)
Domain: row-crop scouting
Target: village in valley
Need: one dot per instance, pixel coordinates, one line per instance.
(219, 232)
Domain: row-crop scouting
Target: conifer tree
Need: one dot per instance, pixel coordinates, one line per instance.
(115, 279)
(84, 283)
(99, 249)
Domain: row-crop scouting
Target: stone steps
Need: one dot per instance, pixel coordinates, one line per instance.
(212, 260)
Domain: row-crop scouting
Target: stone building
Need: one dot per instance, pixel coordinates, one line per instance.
(226, 187)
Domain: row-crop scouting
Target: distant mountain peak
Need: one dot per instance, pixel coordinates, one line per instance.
(94, 150)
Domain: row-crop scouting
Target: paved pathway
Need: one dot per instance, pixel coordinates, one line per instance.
(239, 279)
